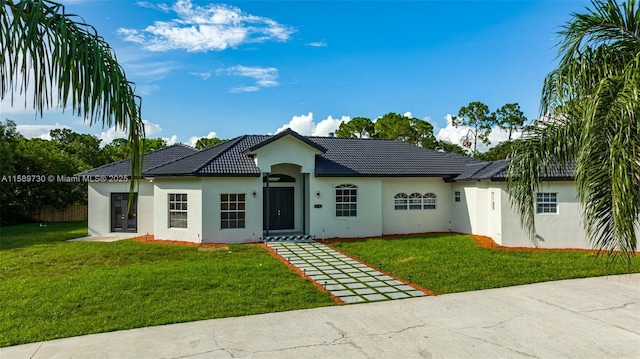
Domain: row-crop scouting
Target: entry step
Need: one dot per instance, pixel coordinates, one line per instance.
(302, 238)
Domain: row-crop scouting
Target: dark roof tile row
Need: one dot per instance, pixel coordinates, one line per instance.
(339, 157)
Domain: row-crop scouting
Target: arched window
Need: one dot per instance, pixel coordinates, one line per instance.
(415, 201)
(400, 201)
(429, 201)
(346, 200)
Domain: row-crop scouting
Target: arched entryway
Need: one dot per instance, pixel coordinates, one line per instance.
(285, 200)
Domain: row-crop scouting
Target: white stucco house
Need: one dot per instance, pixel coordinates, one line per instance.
(254, 187)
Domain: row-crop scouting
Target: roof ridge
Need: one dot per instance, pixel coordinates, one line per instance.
(357, 138)
(142, 155)
(187, 156)
(287, 132)
(166, 148)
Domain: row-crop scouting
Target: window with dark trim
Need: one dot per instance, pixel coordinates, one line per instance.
(177, 210)
(346, 200)
(456, 196)
(546, 203)
(232, 210)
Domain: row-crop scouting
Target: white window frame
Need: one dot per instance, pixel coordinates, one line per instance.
(430, 201)
(401, 202)
(233, 210)
(346, 197)
(178, 213)
(415, 201)
(547, 203)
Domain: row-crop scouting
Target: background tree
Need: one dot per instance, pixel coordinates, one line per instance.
(21, 156)
(590, 107)
(120, 148)
(510, 118)
(501, 151)
(358, 127)
(8, 137)
(208, 142)
(81, 146)
(479, 119)
(66, 64)
(393, 126)
(421, 134)
(446, 146)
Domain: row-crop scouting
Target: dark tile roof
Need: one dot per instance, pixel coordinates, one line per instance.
(497, 171)
(149, 160)
(341, 157)
(223, 159)
(371, 157)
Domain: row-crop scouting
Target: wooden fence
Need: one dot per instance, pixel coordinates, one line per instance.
(74, 212)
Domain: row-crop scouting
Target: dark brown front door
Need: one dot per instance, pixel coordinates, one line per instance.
(280, 209)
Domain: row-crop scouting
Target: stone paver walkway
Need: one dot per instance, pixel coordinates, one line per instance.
(344, 277)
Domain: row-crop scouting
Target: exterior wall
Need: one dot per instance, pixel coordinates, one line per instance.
(193, 188)
(555, 230)
(415, 221)
(323, 222)
(212, 188)
(476, 213)
(99, 198)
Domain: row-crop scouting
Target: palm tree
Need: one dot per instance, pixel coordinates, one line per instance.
(65, 63)
(590, 106)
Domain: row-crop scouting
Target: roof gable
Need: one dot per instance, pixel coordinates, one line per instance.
(282, 134)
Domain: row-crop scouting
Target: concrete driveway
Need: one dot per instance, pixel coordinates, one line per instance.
(582, 318)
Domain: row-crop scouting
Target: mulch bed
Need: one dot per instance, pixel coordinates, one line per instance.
(482, 241)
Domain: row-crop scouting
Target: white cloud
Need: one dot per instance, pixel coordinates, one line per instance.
(111, 134)
(317, 44)
(145, 90)
(302, 124)
(305, 125)
(193, 140)
(149, 5)
(329, 125)
(150, 129)
(170, 140)
(202, 75)
(264, 76)
(150, 70)
(241, 89)
(205, 28)
(38, 131)
(454, 134)
(408, 114)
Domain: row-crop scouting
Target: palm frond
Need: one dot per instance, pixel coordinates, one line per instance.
(593, 99)
(66, 64)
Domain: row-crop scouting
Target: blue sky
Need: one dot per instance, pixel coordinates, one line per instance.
(255, 67)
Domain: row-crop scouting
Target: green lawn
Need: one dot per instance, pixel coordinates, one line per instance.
(50, 288)
(454, 263)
